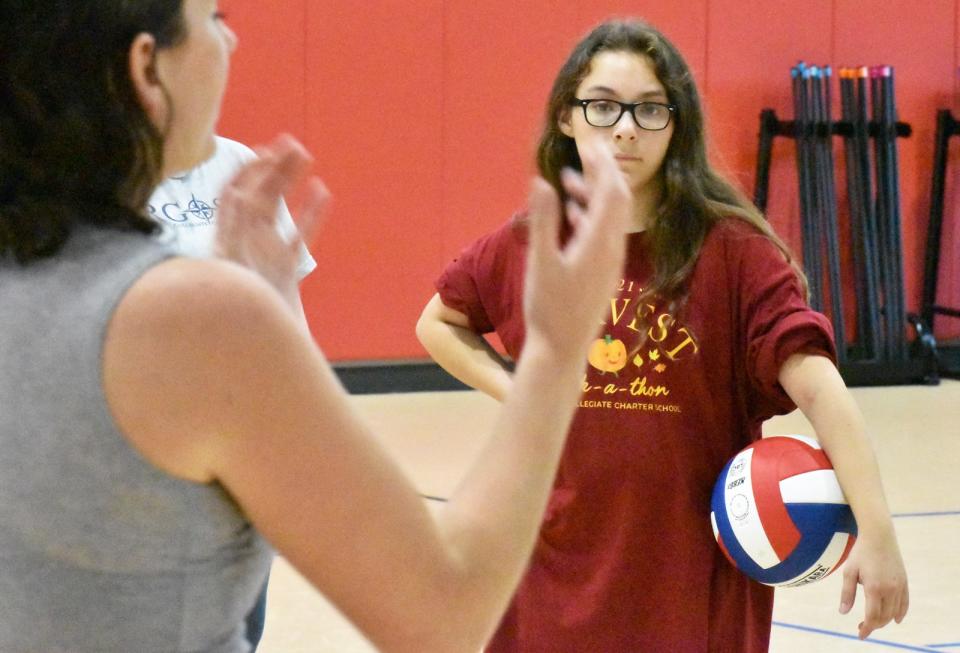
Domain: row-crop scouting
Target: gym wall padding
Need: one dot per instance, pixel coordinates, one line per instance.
(423, 116)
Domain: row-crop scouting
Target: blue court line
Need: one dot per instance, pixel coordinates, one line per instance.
(875, 642)
(943, 513)
(947, 645)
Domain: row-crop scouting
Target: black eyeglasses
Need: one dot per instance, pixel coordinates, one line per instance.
(652, 116)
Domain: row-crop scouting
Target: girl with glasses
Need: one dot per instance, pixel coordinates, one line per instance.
(162, 418)
(707, 335)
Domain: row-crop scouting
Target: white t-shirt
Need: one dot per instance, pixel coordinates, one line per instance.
(186, 205)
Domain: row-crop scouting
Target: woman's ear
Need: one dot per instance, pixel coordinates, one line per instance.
(564, 122)
(146, 82)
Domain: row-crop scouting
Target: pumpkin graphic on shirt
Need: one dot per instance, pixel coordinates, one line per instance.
(608, 355)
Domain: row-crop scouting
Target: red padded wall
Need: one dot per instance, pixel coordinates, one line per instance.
(374, 119)
(749, 56)
(266, 90)
(423, 116)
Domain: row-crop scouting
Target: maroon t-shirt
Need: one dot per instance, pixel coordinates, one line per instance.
(626, 560)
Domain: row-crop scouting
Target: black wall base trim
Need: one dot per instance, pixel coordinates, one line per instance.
(423, 375)
(950, 359)
(383, 377)
(907, 372)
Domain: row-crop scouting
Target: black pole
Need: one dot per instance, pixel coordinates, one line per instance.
(863, 341)
(882, 220)
(768, 129)
(893, 197)
(946, 127)
(861, 134)
(829, 214)
(814, 172)
(799, 74)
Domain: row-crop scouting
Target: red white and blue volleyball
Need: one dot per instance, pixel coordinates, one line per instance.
(778, 512)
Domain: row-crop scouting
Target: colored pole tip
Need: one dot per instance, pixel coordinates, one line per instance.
(827, 71)
(863, 71)
(795, 72)
(815, 71)
(876, 71)
(886, 71)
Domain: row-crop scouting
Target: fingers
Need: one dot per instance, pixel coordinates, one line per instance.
(312, 212)
(242, 201)
(903, 606)
(884, 602)
(877, 566)
(610, 198)
(878, 613)
(289, 161)
(248, 173)
(259, 184)
(575, 186)
(575, 214)
(578, 196)
(603, 206)
(544, 220)
(249, 201)
(873, 613)
(848, 593)
(598, 157)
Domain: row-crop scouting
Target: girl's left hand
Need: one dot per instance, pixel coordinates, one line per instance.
(875, 563)
(247, 230)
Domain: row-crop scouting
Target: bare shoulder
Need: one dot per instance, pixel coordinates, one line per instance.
(177, 340)
(185, 291)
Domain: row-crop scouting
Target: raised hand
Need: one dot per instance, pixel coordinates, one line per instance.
(567, 288)
(247, 231)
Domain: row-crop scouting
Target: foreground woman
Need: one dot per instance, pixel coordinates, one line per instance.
(162, 419)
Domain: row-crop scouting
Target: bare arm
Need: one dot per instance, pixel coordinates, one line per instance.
(816, 387)
(447, 336)
(275, 429)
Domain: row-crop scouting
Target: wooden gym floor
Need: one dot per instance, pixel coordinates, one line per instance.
(916, 434)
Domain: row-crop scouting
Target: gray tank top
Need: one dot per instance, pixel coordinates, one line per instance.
(99, 550)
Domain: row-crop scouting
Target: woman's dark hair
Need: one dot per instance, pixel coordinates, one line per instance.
(75, 144)
(695, 196)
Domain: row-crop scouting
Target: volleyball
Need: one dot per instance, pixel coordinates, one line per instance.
(778, 512)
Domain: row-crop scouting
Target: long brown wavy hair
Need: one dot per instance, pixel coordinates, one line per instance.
(75, 144)
(695, 197)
